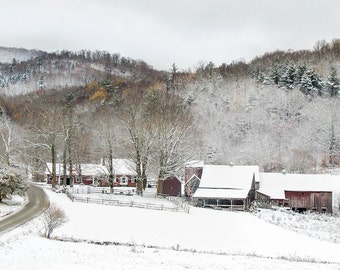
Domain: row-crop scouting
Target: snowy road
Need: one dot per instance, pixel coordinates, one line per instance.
(38, 200)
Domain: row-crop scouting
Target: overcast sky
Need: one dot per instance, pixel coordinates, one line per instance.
(163, 32)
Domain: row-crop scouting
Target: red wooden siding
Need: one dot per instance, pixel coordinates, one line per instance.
(320, 201)
(171, 186)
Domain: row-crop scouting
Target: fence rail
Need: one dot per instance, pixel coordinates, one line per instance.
(112, 202)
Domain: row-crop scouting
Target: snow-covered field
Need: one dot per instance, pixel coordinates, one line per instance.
(9, 206)
(110, 237)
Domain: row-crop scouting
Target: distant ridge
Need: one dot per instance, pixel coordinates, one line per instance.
(19, 54)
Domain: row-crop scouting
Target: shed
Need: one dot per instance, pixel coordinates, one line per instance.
(300, 192)
(227, 186)
(172, 186)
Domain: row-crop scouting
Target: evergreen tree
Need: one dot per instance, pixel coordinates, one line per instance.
(275, 74)
(333, 83)
(310, 83)
(288, 78)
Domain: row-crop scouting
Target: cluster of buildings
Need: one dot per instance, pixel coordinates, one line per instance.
(224, 186)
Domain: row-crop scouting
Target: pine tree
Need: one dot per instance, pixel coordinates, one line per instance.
(288, 77)
(333, 83)
(275, 74)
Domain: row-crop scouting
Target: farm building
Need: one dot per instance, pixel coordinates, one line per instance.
(171, 186)
(124, 171)
(227, 186)
(96, 174)
(84, 173)
(300, 192)
(192, 177)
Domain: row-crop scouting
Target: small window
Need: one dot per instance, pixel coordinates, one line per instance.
(123, 180)
(133, 179)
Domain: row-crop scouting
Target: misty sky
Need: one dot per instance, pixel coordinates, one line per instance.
(163, 32)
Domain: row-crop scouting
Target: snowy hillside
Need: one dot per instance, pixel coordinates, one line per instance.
(8, 54)
(109, 237)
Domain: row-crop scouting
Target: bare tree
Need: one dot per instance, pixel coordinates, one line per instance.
(175, 130)
(45, 134)
(141, 135)
(53, 218)
(7, 137)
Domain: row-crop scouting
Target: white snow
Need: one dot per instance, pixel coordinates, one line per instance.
(224, 181)
(9, 206)
(202, 239)
(274, 184)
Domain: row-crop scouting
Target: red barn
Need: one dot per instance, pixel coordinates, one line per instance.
(301, 201)
(172, 186)
(192, 177)
(300, 192)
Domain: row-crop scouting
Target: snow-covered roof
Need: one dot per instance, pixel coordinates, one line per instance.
(124, 166)
(225, 181)
(274, 184)
(231, 177)
(93, 169)
(194, 163)
(86, 169)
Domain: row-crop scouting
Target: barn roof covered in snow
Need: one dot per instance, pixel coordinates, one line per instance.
(224, 181)
(274, 184)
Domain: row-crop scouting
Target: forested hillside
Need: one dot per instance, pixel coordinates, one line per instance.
(281, 110)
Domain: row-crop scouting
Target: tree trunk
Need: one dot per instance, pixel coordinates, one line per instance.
(54, 178)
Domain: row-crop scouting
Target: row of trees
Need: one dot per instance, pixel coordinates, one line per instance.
(148, 123)
(291, 75)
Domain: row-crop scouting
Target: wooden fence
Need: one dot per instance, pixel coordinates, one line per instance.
(104, 201)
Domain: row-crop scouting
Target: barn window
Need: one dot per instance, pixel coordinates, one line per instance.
(302, 193)
(133, 179)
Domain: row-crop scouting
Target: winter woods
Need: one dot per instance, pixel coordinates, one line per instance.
(279, 111)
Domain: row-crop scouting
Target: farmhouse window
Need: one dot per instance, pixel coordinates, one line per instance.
(133, 179)
(123, 180)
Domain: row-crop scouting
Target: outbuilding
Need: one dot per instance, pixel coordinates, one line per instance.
(300, 192)
(227, 186)
(172, 186)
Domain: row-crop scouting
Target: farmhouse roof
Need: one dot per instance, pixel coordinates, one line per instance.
(86, 169)
(124, 166)
(274, 184)
(222, 181)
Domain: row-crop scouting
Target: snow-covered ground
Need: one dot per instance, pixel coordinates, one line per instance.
(321, 226)
(110, 237)
(9, 206)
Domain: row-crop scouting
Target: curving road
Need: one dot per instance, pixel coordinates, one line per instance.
(38, 201)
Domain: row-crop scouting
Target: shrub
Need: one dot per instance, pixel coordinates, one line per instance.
(53, 217)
